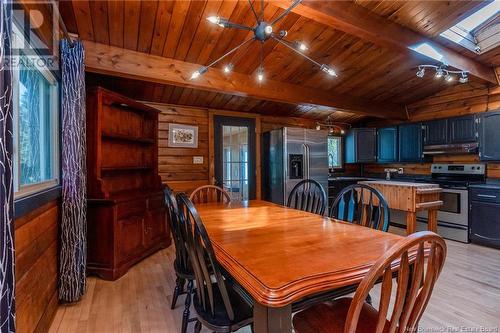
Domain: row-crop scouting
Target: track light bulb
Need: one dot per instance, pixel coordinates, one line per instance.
(421, 72)
(328, 70)
(439, 73)
(463, 78)
(448, 78)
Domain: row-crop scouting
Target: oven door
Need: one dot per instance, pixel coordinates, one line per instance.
(455, 207)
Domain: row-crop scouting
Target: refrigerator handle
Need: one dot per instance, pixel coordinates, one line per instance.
(307, 161)
(306, 165)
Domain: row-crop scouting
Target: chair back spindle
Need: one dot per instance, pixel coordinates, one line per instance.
(414, 283)
(209, 193)
(203, 259)
(309, 196)
(363, 205)
(179, 232)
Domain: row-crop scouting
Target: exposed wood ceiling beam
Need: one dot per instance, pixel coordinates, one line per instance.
(361, 22)
(105, 59)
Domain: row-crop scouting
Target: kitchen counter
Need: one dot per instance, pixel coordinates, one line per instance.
(410, 197)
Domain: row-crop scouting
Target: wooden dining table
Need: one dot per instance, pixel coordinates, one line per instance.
(281, 255)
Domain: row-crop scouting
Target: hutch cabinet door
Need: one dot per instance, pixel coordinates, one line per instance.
(489, 136)
(410, 142)
(387, 144)
(436, 132)
(130, 237)
(462, 129)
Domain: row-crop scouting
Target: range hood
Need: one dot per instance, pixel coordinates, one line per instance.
(457, 148)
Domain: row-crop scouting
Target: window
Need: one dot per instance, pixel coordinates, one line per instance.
(36, 117)
(335, 152)
(479, 31)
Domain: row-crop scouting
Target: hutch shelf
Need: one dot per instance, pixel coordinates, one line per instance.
(126, 211)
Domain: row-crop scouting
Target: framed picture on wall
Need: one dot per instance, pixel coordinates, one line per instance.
(180, 135)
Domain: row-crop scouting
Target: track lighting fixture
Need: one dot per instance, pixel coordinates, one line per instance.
(463, 78)
(442, 71)
(421, 72)
(332, 126)
(262, 32)
(439, 73)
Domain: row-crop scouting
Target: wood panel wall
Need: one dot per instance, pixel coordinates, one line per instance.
(455, 101)
(176, 164)
(36, 268)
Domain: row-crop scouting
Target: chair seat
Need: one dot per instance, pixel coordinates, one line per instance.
(243, 312)
(186, 274)
(330, 317)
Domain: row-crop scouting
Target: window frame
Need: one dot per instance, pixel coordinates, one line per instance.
(341, 153)
(22, 191)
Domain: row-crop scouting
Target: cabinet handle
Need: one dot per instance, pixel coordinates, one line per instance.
(487, 196)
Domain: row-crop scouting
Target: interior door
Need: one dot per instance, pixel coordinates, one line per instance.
(235, 168)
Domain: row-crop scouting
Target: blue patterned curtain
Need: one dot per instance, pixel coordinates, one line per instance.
(7, 269)
(73, 231)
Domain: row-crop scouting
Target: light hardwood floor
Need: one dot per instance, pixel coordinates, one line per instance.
(466, 295)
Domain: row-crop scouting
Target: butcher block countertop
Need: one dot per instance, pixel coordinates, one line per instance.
(411, 198)
(399, 183)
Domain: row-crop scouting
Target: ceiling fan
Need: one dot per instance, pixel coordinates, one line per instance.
(262, 32)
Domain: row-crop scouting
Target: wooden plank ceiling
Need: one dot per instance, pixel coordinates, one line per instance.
(178, 29)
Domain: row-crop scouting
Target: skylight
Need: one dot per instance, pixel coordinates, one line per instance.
(469, 32)
(428, 50)
(473, 21)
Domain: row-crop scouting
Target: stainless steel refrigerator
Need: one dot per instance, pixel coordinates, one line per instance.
(290, 155)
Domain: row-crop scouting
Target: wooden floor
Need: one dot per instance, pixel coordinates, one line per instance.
(467, 294)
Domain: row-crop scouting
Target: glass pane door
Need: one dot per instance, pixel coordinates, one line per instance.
(235, 156)
(235, 161)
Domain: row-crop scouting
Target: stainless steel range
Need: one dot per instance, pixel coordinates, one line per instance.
(453, 216)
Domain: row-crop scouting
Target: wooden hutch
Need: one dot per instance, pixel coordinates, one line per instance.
(126, 211)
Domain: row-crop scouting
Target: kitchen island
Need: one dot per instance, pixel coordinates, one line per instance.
(410, 198)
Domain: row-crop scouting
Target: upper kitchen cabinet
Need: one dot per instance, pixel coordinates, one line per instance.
(436, 132)
(410, 142)
(361, 145)
(462, 129)
(387, 140)
(489, 136)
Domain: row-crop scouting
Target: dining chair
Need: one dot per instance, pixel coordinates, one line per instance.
(182, 265)
(308, 195)
(218, 306)
(209, 193)
(363, 205)
(414, 285)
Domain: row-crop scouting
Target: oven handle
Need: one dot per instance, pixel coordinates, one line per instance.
(489, 196)
(445, 224)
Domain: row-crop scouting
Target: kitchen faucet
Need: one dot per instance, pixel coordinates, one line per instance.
(388, 173)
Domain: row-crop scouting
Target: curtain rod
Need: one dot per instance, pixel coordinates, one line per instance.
(63, 25)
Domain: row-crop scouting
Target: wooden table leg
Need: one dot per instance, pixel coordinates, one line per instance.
(411, 222)
(272, 320)
(432, 220)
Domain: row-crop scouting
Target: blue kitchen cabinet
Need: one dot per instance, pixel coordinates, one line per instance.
(489, 136)
(462, 129)
(436, 132)
(361, 145)
(410, 142)
(387, 142)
